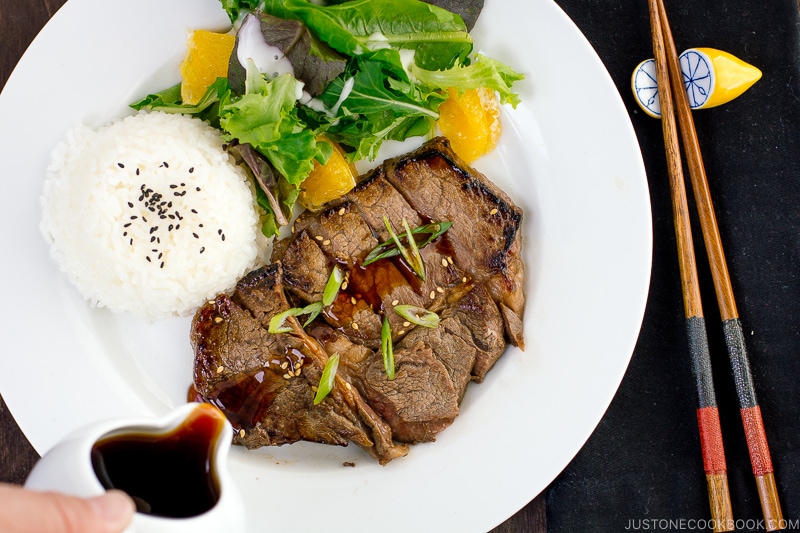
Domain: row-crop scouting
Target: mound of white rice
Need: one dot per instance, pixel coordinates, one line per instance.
(149, 215)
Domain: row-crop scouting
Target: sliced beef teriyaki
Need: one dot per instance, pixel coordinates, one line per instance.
(473, 274)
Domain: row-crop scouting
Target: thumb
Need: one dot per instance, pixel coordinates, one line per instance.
(24, 511)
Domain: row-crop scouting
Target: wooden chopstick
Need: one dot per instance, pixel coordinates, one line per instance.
(760, 458)
(707, 412)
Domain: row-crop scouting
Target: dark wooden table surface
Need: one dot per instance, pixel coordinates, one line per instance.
(20, 21)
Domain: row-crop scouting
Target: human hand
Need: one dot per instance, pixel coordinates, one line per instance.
(26, 511)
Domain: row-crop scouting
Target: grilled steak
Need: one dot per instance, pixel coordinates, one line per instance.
(266, 383)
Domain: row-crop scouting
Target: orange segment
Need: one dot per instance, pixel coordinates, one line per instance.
(327, 182)
(206, 60)
(471, 122)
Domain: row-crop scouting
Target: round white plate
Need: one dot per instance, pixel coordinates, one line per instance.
(568, 157)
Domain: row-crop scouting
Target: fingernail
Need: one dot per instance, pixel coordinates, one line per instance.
(114, 507)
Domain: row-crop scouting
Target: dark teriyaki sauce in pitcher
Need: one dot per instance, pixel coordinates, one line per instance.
(169, 474)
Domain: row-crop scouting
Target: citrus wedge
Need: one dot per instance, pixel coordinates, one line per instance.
(471, 121)
(206, 60)
(327, 182)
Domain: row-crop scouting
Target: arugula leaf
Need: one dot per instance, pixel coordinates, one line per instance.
(482, 72)
(379, 107)
(375, 91)
(378, 28)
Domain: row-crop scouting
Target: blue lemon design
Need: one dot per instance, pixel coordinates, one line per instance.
(645, 88)
(698, 77)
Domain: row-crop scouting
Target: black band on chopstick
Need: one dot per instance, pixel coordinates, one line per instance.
(701, 361)
(737, 351)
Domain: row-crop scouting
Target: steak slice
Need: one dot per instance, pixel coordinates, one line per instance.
(265, 383)
(486, 236)
(417, 404)
(468, 340)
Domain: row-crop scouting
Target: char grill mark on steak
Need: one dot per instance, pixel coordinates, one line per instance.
(485, 237)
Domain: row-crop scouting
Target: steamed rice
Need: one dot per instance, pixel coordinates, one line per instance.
(149, 215)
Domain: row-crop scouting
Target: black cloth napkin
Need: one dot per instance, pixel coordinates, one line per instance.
(642, 467)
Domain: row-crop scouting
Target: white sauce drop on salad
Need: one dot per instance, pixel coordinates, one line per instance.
(269, 59)
(407, 59)
(346, 90)
(317, 105)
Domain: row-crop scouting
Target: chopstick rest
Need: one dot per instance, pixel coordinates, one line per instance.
(711, 77)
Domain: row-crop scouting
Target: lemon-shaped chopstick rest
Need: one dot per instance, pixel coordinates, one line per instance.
(712, 77)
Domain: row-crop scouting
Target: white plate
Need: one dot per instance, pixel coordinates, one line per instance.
(568, 157)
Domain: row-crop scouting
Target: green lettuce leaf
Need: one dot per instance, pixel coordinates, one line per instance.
(378, 107)
(266, 118)
(378, 28)
(482, 72)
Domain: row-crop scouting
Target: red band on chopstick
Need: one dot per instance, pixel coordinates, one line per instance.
(756, 441)
(711, 440)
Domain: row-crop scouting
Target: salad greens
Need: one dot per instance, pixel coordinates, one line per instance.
(377, 29)
(365, 71)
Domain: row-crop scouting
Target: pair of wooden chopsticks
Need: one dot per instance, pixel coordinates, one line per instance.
(670, 83)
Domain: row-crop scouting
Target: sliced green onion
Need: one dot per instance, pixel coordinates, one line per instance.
(313, 311)
(387, 349)
(388, 249)
(417, 265)
(411, 256)
(417, 315)
(276, 324)
(402, 249)
(333, 286)
(328, 378)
